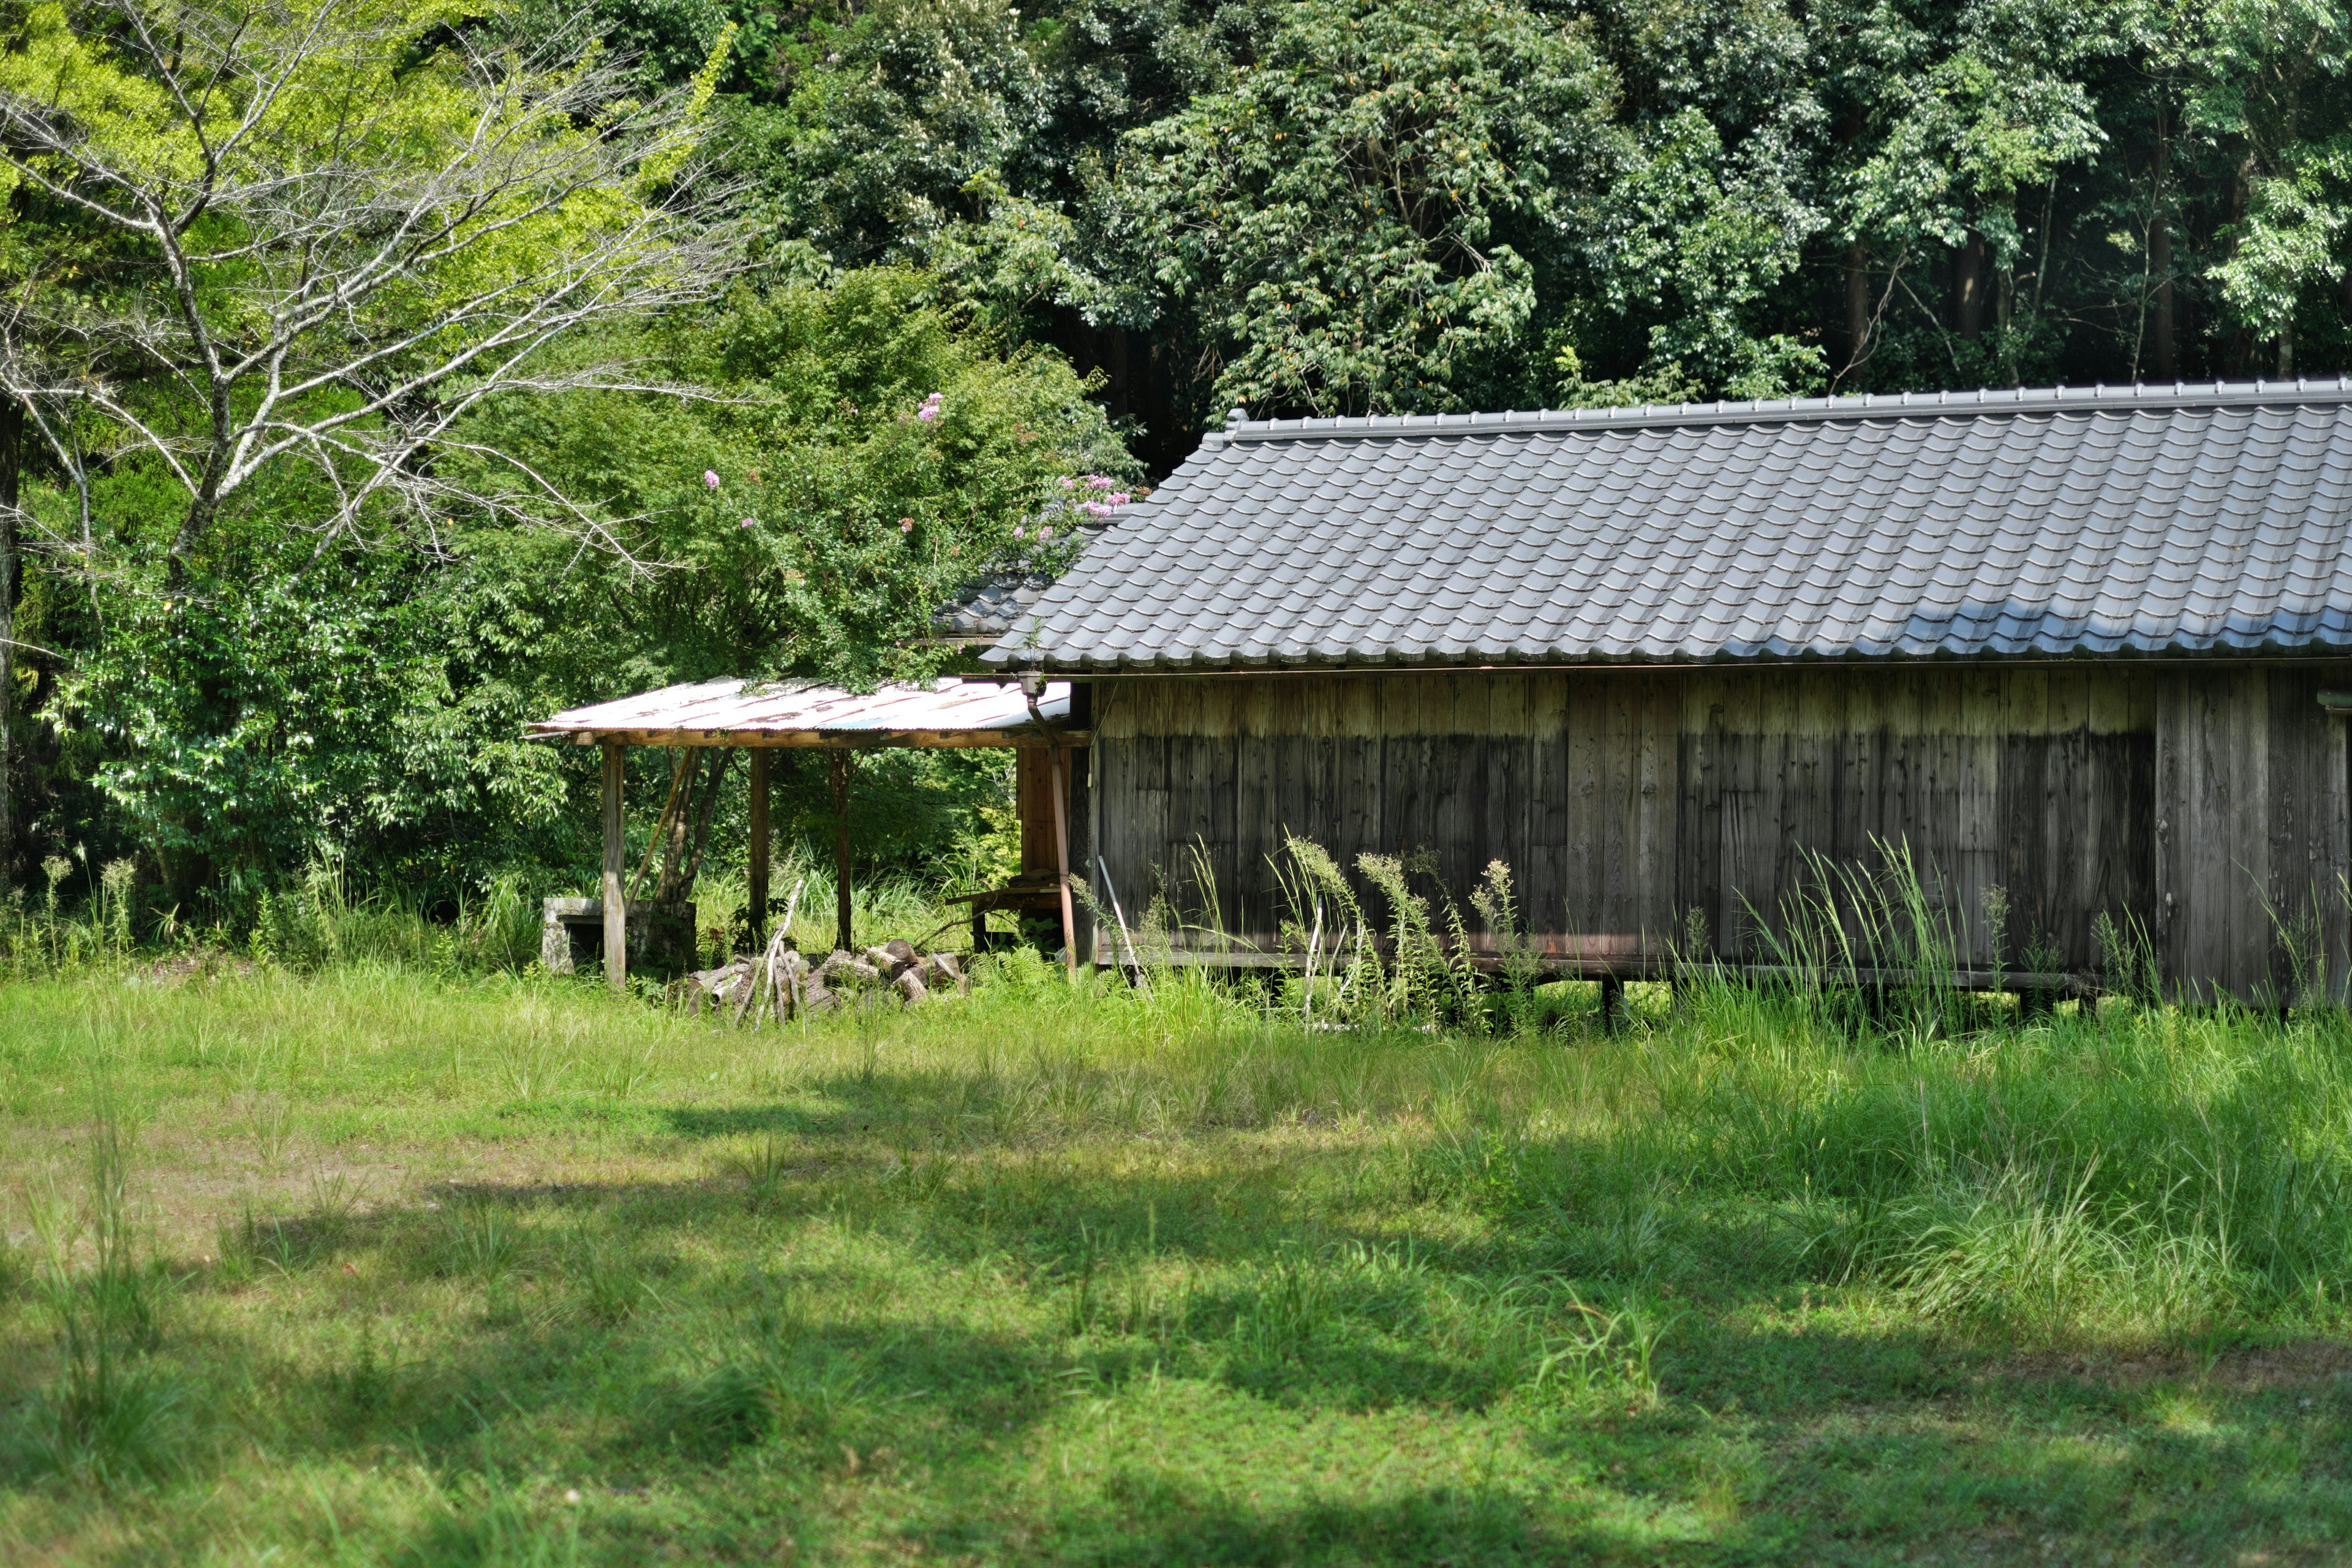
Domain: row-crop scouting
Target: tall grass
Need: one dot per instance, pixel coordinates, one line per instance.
(106, 1416)
(318, 921)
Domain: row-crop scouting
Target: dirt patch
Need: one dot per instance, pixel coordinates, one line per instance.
(2297, 1365)
(205, 963)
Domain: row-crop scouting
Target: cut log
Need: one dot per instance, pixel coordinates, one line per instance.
(846, 969)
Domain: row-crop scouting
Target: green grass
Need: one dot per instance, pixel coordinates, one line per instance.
(371, 1266)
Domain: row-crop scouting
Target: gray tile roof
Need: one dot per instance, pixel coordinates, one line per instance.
(990, 608)
(995, 605)
(2178, 519)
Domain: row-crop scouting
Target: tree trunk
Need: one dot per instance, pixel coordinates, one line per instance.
(12, 455)
(1968, 288)
(2159, 257)
(1857, 304)
(2241, 357)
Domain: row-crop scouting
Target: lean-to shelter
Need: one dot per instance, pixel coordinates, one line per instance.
(759, 717)
(2075, 653)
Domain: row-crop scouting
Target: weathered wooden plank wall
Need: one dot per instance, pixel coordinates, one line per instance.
(2251, 830)
(2034, 780)
(2195, 801)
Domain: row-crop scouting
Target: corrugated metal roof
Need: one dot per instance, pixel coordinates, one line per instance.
(800, 712)
(2039, 523)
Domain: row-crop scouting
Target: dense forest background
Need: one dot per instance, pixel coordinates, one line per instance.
(966, 255)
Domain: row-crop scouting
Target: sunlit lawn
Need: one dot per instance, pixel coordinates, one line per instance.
(502, 1273)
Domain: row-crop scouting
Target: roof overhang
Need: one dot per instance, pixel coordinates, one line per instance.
(948, 712)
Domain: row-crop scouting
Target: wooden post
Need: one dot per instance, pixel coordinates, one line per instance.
(841, 847)
(758, 909)
(1054, 762)
(616, 866)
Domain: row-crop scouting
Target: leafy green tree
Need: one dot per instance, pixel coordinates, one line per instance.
(348, 248)
(1357, 225)
(2263, 88)
(368, 705)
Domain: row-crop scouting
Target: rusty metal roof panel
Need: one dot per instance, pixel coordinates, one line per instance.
(801, 707)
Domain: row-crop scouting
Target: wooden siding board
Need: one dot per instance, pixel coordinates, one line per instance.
(1698, 875)
(1661, 798)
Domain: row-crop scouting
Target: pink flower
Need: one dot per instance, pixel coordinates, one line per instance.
(1097, 482)
(710, 480)
(1018, 534)
(930, 410)
(1044, 531)
(1118, 497)
(1068, 483)
(747, 522)
(1094, 509)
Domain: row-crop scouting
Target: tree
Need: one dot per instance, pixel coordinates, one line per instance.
(358, 224)
(2265, 83)
(1357, 224)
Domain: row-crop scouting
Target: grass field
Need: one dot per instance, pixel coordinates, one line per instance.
(375, 1268)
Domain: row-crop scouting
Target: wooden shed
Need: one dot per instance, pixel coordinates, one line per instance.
(2082, 646)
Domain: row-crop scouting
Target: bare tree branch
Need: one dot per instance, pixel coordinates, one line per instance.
(330, 237)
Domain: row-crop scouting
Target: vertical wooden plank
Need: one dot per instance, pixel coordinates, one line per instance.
(616, 851)
(841, 907)
(1058, 763)
(1358, 718)
(2306, 833)
(2169, 701)
(1660, 797)
(1547, 896)
(1584, 853)
(2250, 929)
(1817, 740)
(1505, 809)
(1747, 816)
(2332, 787)
(1619, 804)
(2025, 829)
(1251, 893)
(2107, 701)
(1986, 694)
(1774, 866)
(757, 828)
(1698, 876)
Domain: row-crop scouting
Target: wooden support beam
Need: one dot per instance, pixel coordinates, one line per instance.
(758, 911)
(617, 867)
(841, 849)
(1055, 762)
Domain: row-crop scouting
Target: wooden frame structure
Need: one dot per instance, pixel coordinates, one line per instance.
(761, 717)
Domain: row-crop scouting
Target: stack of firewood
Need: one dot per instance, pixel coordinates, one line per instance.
(782, 983)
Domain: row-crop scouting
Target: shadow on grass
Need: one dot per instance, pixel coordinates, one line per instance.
(1857, 1443)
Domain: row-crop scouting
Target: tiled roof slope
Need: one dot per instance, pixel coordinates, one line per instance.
(2197, 519)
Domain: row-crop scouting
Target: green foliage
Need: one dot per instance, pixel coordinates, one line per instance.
(1359, 222)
